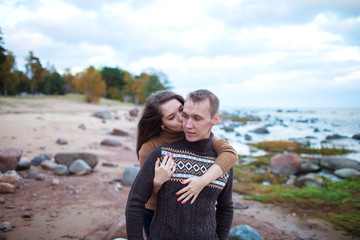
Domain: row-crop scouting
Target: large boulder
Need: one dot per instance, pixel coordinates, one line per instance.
(103, 114)
(9, 158)
(286, 164)
(334, 163)
(110, 142)
(68, 158)
(134, 112)
(244, 232)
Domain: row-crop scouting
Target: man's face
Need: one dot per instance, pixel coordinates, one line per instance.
(197, 120)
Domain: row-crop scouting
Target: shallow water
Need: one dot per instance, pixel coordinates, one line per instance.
(312, 125)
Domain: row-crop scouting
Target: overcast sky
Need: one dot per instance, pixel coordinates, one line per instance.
(250, 53)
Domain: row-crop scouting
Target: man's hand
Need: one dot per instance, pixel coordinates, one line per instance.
(192, 190)
(163, 171)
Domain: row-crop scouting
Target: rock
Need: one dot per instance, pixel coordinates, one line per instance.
(48, 165)
(80, 167)
(239, 205)
(68, 158)
(23, 165)
(244, 232)
(26, 214)
(334, 163)
(346, 172)
(103, 114)
(261, 130)
(82, 126)
(130, 175)
(4, 227)
(61, 170)
(310, 180)
(307, 166)
(9, 158)
(41, 177)
(335, 136)
(110, 142)
(7, 187)
(285, 164)
(2, 200)
(134, 112)
(55, 182)
(248, 137)
(356, 136)
(11, 177)
(61, 141)
(36, 161)
(109, 164)
(119, 132)
(31, 175)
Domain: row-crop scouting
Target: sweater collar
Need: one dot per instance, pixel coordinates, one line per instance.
(202, 145)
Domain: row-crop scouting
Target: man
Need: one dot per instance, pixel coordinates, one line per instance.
(210, 216)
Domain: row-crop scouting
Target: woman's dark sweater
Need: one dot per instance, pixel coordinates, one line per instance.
(210, 216)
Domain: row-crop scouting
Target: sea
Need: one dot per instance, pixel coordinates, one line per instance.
(313, 125)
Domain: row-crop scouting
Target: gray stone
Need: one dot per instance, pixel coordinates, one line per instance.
(261, 130)
(103, 114)
(9, 158)
(346, 172)
(335, 163)
(130, 175)
(356, 136)
(61, 170)
(68, 158)
(110, 142)
(80, 167)
(244, 232)
(23, 165)
(36, 161)
(307, 166)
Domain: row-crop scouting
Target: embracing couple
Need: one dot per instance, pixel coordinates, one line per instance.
(184, 187)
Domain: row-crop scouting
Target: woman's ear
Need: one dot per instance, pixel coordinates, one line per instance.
(162, 126)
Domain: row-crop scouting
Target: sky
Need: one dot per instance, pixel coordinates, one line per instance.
(250, 53)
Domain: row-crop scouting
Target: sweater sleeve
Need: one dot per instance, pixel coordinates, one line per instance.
(145, 150)
(225, 209)
(227, 155)
(139, 194)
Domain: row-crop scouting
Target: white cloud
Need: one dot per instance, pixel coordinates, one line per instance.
(236, 48)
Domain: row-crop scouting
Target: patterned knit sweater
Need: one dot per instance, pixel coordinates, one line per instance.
(210, 216)
(226, 154)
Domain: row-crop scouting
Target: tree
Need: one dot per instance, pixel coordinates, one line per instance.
(52, 84)
(8, 78)
(23, 83)
(115, 82)
(68, 82)
(91, 84)
(35, 72)
(2, 50)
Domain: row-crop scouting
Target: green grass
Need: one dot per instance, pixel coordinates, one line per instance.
(335, 202)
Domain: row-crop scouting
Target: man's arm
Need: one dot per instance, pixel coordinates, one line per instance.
(225, 209)
(139, 194)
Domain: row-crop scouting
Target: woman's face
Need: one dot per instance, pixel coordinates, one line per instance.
(172, 115)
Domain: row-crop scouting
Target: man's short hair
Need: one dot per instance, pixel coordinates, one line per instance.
(203, 94)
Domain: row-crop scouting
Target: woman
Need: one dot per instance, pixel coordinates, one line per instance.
(161, 123)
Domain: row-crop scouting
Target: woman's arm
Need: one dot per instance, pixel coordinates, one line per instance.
(227, 156)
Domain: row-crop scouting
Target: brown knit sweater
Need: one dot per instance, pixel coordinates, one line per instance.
(226, 154)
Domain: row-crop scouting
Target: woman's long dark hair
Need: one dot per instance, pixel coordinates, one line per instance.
(149, 125)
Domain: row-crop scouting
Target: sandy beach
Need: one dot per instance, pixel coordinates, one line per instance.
(85, 207)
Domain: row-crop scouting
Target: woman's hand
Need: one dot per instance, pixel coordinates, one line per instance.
(192, 190)
(163, 171)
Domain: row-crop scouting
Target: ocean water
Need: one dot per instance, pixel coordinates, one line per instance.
(312, 125)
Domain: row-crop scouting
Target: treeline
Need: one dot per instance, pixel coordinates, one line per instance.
(113, 83)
